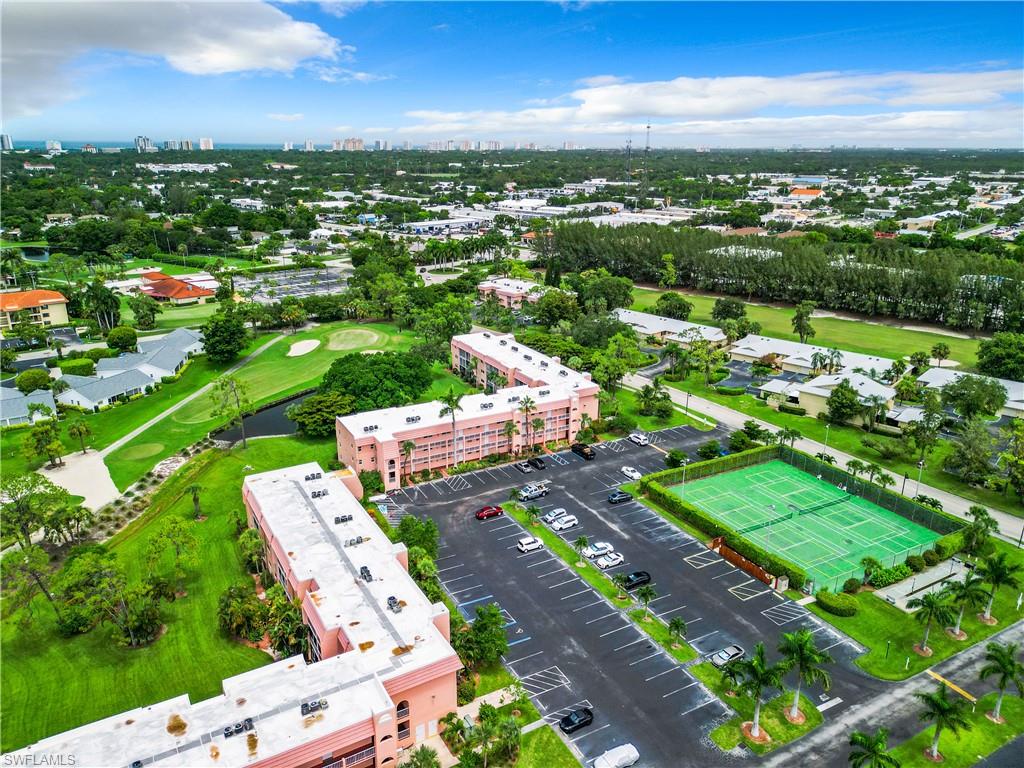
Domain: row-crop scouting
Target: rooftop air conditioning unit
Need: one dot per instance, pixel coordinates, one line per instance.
(515, 349)
(503, 342)
(528, 357)
(563, 373)
(487, 335)
(545, 392)
(543, 363)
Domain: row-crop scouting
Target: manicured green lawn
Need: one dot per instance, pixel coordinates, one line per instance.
(773, 720)
(22, 243)
(543, 749)
(848, 439)
(877, 622)
(188, 316)
(50, 684)
(493, 678)
(984, 738)
(629, 406)
(271, 376)
(443, 381)
(855, 336)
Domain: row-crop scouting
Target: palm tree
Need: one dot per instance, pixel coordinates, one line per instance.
(931, 606)
(758, 676)
(509, 429)
(195, 489)
(732, 676)
(423, 757)
(996, 572)
(870, 565)
(968, 593)
(946, 713)
(451, 401)
(885, 480)
(873, 470)
(527, 406)
(799, 653)
(855, 467)
(788, 435)
(80, 429)
(533, 513)
(677, 630)
(819, 361)
(454, 729)
(581, 543)
(646, 594)
(537, 425)
(978, 531)
(871, 750)
(508, 738)
(1002, 662)
(620, 580)
(835, 360)
(872, 409)
(407, 448)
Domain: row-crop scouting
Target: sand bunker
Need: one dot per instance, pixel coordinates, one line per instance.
(300, 348)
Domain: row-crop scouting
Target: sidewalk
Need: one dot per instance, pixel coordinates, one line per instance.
(1010, 527)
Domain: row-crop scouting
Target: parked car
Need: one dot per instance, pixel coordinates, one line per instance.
(610, 560)
(639, 439)
(529, 544)
(597, 549)
(553, 515)
(617, 497)
(727, 654)
(621, 756)
(584, 451)
(532, 491)
(578, 718)
(637, 579)
(564, 523)
(523, 467)
(536, 462)
(487, 512)
(631, 472)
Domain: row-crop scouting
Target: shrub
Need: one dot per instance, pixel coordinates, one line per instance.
(851, 586)
(949, 545)
(740, 441)
(333, 465)
(99, 353)
(931, 557)
(795, 410)
(621, 424)
(466, 689)
(884, 577)
(74, 620)
(837, 605)
(915, 563)
(730, 391)
(83, 366)
(53, 362)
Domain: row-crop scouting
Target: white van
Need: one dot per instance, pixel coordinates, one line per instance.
(620, 757)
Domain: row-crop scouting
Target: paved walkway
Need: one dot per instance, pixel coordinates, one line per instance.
(182, 403)
(1009, 526)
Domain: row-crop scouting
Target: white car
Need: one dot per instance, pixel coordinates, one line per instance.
(631, 472)
(621, 756)
(597, 549)
(529, 544)
(610, 560)
(639, 439)
(565, 522)
(553, 515)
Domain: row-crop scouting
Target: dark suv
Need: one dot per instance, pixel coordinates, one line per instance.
(536, 462)
(637, 579)
(585, 451)
(578, 718)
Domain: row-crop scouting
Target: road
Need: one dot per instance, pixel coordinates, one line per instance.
(1010, 527)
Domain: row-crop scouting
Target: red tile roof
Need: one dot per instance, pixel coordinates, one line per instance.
(19, 300)
(172, 288)
(154, 275)
(807, 192)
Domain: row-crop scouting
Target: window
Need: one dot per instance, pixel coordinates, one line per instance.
(402, 710)
(314, 645)
(404, 731)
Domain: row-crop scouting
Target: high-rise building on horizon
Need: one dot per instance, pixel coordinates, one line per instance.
(382, 145)
(144, 144)
(337, 145)
(172, 145)
(406, 144)
(89, 149)
(307, 145)
(186, 145)
(286, 147)
(495, 146)
(450, 145)
(6, 142)
(205, 144)
(353, 144)
(54, 146)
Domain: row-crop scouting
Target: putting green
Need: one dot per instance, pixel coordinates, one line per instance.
(141, 450)
(354, 338)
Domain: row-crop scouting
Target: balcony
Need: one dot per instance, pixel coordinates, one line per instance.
(404, 734)
(402, 713)
(361, 758)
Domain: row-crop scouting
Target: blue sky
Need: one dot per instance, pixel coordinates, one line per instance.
(719, 74)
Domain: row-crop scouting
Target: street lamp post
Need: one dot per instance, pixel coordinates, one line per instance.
(827, 428)
(920, 469)
(682, 488)
(903, 489)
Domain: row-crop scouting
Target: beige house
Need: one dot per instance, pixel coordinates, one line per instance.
(813, 395)
(40, 307)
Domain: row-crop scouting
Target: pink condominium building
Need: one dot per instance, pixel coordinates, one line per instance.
(510, 292)
(382, 675)
(399, 441)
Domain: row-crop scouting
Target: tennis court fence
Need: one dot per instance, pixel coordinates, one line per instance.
(835, 582)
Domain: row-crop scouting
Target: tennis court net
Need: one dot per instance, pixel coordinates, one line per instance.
(764, 524)
(824, 505)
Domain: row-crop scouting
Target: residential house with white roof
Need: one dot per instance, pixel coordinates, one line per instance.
(682, 332)
(796, 357)
(937, 378)
(156, 358)
(14, 406)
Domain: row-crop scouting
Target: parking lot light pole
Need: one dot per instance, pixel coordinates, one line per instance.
(920, 469)
(825, 449)
(682, 488)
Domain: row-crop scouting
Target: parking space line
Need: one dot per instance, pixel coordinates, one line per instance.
(591, 732)
(660, 597)
(563, 583)
(582, 591)
(632, 642)
(588, 605)
(524, 658)
(477, 600)
(517, 642)
(670, 669)
(698, 639)
(509, 536)
(645, 658)
(467, 589)
(699, 706)
(730, 572)
(457, 578)
(551, 573)
(503, 527)
(605, 616)
(540, 562)
(612, 632)
(451, 568)
(670, 610)
(677, 690)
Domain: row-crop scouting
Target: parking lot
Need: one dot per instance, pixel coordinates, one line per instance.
(568, 645)
(269, 287)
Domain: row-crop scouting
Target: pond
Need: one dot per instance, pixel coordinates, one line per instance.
(268, 422)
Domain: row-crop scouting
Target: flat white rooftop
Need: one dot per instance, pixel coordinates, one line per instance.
(796, 353)
(650, 324)
(534, 364)
(511, 285)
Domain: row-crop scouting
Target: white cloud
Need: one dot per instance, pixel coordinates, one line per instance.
(332, 74)
(757, 110)
(294, 117)
(441, 27)
(342, 128)
(41, 40)
(377, 129)
(600, 80)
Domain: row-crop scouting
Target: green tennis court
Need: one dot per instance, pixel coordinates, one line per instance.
(810, 522)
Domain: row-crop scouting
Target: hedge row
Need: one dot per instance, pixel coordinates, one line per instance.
(949, 545)
(730, 391)
(795, 410)
(838, 604)
(699, 519)
(885, 577)
(712, 466)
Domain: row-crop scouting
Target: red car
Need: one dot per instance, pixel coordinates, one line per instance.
(488, 512)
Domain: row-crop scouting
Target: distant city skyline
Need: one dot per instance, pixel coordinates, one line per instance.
(547, 74)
